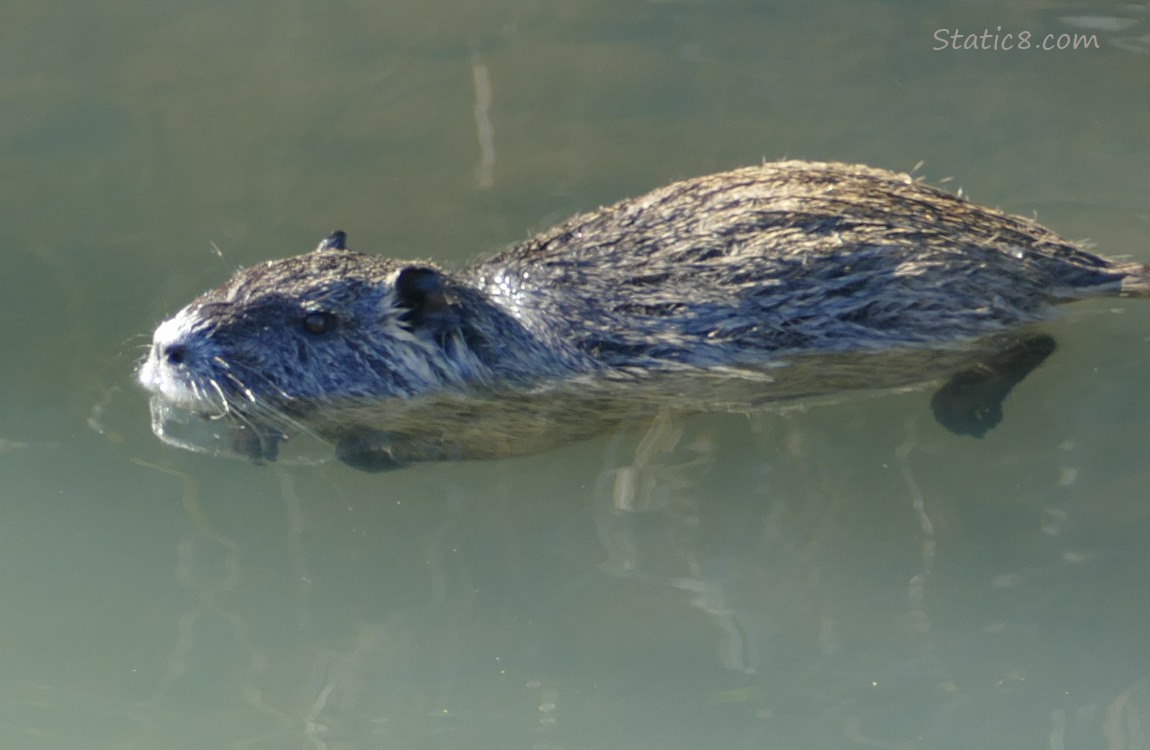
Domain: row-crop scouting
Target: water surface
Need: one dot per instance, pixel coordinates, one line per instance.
(843, 575)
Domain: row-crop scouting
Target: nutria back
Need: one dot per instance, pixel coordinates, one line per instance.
(757, 285)
(788, 257)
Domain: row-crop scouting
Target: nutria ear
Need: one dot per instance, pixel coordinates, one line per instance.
(337, 240)
(423, 293)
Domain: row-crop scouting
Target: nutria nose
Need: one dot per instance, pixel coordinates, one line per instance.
(175, 354)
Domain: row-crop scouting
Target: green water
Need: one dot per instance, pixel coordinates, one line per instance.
(841, 576)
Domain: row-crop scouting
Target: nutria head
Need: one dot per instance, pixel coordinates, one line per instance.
(323, 327)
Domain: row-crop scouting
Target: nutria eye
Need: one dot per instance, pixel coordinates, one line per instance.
(317, 323)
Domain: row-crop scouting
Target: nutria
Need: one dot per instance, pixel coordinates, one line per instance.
(722, 292)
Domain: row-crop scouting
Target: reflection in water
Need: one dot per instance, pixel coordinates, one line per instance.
(655, 481)
(954, 667)
(852, 602)
(485, 172)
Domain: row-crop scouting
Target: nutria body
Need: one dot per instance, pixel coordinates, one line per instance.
(757, 285)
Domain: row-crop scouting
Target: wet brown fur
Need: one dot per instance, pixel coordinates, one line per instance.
(761, 284)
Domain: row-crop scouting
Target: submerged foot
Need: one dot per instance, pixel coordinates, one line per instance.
(971, 402)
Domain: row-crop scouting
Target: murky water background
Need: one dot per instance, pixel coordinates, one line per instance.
(840, 576)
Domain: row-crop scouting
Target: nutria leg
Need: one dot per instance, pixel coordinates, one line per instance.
(971, 401)
(367, 454)
(259, 447)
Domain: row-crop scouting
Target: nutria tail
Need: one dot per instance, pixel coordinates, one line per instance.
(1136, 281)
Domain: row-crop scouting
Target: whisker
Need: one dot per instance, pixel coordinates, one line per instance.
(241, 387)
(225, 407)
